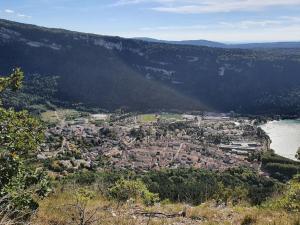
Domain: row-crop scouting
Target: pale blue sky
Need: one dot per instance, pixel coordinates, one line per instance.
(218, 20)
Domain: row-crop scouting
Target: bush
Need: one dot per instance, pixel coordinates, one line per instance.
(195, 186)
(85, 178)
(124, 190)
(290, 199)
(21, 184)
(192, 186)
(182, 185)
(288, 170)
(248, 220)
(279, 167)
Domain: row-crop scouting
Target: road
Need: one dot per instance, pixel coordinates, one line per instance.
(62, 123)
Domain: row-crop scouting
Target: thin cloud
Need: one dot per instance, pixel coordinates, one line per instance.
(215, 6)
(247, 24)
(286, 33)
(191, 27)
(133, 2)
(16, 14)
(284, 27)
(282, 21)
(127, 2)
(9, 11)
(23, 15)
(208, 6)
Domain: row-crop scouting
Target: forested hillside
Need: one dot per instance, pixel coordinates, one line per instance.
(112, 72)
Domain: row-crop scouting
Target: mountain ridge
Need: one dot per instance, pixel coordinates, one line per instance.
(113, 72)
(207, 43)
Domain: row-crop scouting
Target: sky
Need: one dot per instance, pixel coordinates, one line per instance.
(230, 21)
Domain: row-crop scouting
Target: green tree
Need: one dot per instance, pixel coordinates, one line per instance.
(20, 133)
(79, 212)
(20, 136)
(14, 81)
(289, 199)
(124, 190)
(298, 154)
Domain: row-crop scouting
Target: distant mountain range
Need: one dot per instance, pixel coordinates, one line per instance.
(267, 45)
(113, 72)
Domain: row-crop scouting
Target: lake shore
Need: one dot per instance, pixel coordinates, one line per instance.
(285, 136)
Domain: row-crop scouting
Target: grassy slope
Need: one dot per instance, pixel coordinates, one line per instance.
(54, 210)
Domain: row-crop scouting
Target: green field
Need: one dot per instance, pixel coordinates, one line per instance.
(60, 114)
(147, 118)
(171, 117)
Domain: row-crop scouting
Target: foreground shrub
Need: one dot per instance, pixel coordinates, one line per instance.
(290, 200)
(248, 220)
(10, 216)
(124, 190)
(21, 185)
(20, 136)
(79, 211)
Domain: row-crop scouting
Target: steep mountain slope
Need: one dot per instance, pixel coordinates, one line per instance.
(89, 68)
(113, 72)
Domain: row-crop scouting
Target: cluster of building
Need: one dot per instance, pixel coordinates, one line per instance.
(209, 142)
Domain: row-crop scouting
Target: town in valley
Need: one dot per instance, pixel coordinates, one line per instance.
(144, 142)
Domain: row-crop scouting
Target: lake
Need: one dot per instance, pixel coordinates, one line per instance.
(285, 136)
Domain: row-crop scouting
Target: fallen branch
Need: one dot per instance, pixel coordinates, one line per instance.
(160, 214)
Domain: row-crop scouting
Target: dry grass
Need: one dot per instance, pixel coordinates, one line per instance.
(53, 211)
